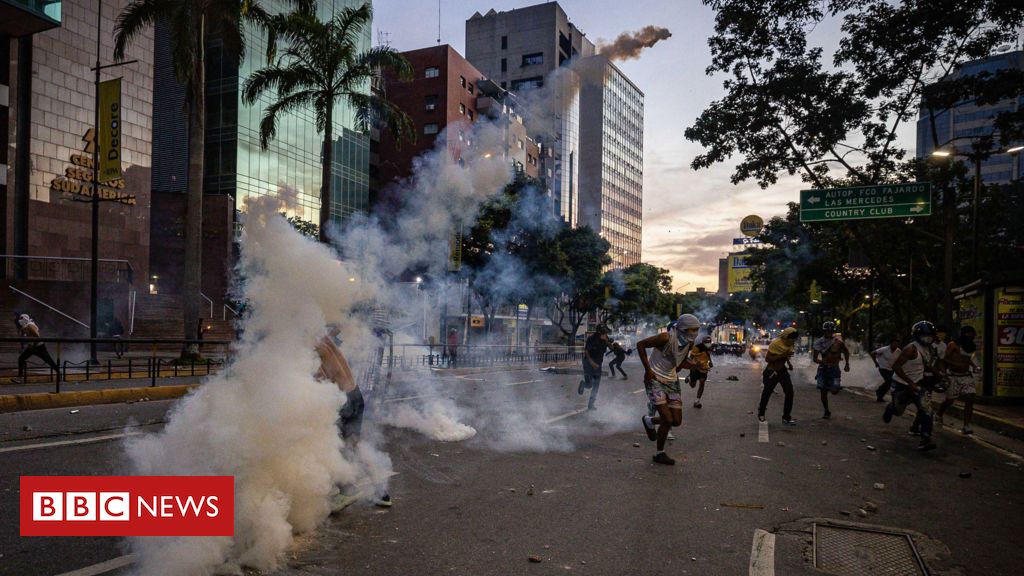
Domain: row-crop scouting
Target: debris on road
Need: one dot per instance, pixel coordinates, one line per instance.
(879, 486)
(780, 443)
(742, 435)
(844, 512)
(965, 474)
(739, 505)
(693, 558)
(530, 491)
(733, 378)
(761, 458)
(26, 428)
(512, 490)
(824, 443)
(871, 448)
(862, 513)
(534, 559)
(871, 506)
(636, 444)
(74, 412)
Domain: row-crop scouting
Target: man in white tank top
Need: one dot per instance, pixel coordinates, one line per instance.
(910, 368)
(670, 353)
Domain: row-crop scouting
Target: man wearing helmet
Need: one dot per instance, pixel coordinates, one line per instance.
(669, 353)
(826, 353)
(910, 367)
(700, 356)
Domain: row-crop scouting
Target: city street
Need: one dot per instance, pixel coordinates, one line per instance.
(545, 488)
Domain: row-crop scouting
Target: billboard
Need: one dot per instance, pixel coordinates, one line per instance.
(739, 274)
(1009, 341)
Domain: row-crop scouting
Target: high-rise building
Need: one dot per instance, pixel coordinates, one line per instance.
(519, 50)
(235, 166)
(968, 121)
(47, 94)
(445, 97)
(611, 157)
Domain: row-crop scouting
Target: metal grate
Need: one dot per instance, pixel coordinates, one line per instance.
(848, 551)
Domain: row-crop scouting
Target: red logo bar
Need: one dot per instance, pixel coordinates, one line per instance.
(127, 506)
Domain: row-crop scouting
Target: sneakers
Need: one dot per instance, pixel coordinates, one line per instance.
(670, 436)
(579, 390)
(967, 431)
(926, 445)
(383, 501)
(697, 404)
(624, 377)
(652, 434)
(662, 458)
(790, 421)
(887, 415)
(827, 416)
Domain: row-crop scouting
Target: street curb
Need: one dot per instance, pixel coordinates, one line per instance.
(45, 400)
(980, 418)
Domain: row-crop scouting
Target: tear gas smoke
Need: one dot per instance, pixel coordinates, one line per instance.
(629, 45)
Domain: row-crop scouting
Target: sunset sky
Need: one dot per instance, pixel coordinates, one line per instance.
(690, 218)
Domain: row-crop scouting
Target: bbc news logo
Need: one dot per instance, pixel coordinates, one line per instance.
(127, 505)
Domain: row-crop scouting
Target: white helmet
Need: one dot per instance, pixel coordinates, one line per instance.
(684, 323)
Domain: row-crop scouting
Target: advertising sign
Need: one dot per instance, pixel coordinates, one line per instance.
(1009, 341)
(972, 313)
(110, 130)
(739, 274)
(751, 225)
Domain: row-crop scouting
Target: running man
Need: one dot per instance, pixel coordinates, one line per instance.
(593, 355)
(620, 356)
(776, 371)
(883, 359)
(960, 368)
(700, 356)
(826, 353)
(910, 367)
(27, 328)
(335, 368)
(670, 353)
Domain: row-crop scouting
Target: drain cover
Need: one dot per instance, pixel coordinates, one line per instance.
(849, 551)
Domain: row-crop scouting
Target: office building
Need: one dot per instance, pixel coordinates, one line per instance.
(611, 157)
(520, 50)
(45, 181)
(958, 128)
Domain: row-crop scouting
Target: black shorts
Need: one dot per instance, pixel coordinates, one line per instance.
(352, 413)
(697, 375)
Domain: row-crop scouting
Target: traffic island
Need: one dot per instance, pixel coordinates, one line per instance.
(43, 401)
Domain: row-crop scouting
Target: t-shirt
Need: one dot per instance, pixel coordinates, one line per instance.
(829, 356)
(596, 348)
(885, 356)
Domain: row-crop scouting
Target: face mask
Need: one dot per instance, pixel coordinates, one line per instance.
(926, 339)
(686, 337)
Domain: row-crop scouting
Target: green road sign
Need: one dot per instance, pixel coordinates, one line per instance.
(907, 200)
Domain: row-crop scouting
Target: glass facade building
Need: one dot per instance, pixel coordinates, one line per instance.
(967, 121)
(612, 154)
(290, 167)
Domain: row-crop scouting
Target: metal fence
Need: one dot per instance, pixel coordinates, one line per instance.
(408, 356)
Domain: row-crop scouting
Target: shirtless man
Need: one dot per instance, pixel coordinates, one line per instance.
(826, 353)
(670, 353)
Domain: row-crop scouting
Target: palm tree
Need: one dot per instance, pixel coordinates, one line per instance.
(322, 65)
(189, 20)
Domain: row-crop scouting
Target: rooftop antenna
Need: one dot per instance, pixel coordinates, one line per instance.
(439, 22)
(383, 38)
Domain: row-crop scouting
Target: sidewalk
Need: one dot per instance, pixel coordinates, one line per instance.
(18, 397)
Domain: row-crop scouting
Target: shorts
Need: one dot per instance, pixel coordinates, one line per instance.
(352, 413)
(659, 393)
(697, 375)
(829, 378)
(960, 386)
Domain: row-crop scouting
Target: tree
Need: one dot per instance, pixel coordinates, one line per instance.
(582, 291)
(320, 66)
(785, 111)
(304, 227)
(189, 21)
(636, 292)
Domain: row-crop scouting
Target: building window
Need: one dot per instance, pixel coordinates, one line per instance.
(430, 102)
(462, 109)
(430, 128)
(432, 72)
(470, 87)
(521, 145)
(504, 65)
(462, 81)
(527, 83)
(504, 42)
(469, 113)
(533, 59)
(503, 85)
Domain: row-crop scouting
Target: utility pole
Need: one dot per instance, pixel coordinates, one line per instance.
(94, 272)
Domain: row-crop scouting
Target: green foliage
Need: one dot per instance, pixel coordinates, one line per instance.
(304, 227)
(636, 292)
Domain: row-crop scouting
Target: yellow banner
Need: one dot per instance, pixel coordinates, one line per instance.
(455, 248)
(739, 274)
(110, 130)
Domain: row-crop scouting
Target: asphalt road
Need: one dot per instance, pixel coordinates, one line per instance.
(578, 491)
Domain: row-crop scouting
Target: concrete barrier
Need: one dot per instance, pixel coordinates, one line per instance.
(43, 401)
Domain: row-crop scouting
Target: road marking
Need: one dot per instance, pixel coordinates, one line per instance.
(103, 567)
(762, 554)
(68, 442)
(521, 383)
(762, 431)
(566, 415)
